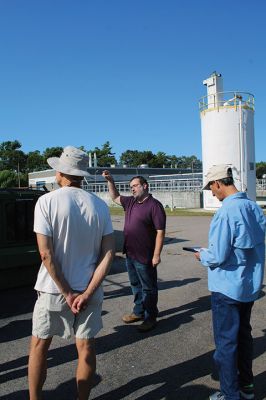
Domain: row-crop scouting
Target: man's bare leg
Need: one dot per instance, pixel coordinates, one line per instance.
(86, 367)
(37, 366)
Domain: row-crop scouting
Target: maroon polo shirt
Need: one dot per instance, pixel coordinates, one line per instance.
(142, 220)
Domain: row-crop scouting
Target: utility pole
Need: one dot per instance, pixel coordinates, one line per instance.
(18, 175)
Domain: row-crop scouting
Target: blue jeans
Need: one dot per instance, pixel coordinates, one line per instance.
(234, 343)
(143, 281)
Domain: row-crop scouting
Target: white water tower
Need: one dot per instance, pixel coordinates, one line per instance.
(227, 130)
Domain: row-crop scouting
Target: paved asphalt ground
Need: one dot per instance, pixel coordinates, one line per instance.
(172, 362)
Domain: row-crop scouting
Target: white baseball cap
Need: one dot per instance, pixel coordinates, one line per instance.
(217, 172)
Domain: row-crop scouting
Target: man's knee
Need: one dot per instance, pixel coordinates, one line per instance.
(86, 357)
(40, 345)
(86, 348)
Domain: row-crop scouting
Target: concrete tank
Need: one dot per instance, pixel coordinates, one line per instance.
(227, 128)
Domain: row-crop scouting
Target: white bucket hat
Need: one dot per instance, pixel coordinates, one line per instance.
(72, 161)
(217, 172)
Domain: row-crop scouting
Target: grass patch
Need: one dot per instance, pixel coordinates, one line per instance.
(177, 212)
(116, 210)
(183, 212)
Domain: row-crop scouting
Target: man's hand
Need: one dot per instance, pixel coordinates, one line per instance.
(155, 260)
(70, 297)
(106, 174)
(80, 303)
(197, 255)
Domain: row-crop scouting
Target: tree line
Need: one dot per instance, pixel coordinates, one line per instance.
(16, 164)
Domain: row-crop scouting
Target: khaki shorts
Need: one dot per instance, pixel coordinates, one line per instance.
(52, 316)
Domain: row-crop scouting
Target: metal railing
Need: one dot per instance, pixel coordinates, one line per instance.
(227, 99)
(261, 184)
(161, 185)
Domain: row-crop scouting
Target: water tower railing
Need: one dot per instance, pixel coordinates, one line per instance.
(227, 100)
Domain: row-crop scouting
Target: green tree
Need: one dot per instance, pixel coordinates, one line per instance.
(23, 180)
(52, 152)
(35, 161)
(146, 157)
(193, 163)
(173, 161)
(11, 157)
(161, 160)
(105, 157)
(260, 169)
(129, 158)
(187, 162)
(134, 158)
(8, 179)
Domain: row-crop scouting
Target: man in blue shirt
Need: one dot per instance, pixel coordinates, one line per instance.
(235, 259)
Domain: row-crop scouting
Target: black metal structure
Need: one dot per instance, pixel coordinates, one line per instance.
(19, 257)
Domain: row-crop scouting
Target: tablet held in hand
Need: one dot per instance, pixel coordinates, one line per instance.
(194, 249)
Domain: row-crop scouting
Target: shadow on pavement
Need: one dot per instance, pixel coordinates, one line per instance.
(16, 330)
(64, 391)
(168, 383)
(126, 290)
(123, 336)
(170, 380)
(173, 379)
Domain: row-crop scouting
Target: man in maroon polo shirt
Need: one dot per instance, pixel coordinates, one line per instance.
(143, 242)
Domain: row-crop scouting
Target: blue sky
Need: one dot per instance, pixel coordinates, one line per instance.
(127, 71)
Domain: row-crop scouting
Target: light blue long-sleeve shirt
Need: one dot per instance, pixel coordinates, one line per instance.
(236, 252)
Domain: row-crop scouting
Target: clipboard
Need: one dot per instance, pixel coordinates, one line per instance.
(194, 249)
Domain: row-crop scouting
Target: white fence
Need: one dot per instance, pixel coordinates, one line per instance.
(261, 184)
(173, 193)
(162, 185)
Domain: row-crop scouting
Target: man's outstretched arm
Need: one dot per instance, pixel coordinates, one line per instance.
(114, 194)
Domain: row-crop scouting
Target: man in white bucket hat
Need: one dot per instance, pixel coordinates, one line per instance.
(235, 261)
(76, 244)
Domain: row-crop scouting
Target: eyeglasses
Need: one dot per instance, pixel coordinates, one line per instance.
(135, 185)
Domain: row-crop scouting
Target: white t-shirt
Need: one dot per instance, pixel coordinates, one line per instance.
(77, 221)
